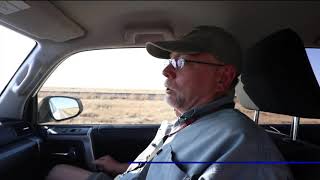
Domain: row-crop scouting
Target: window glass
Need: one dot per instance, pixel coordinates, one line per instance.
(265, 117)
(314, 58)
(122, 86)
(309, 121)
(273, 118)
(14, 49)
(118, 86)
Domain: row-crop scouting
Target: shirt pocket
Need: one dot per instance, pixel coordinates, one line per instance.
(164, 168)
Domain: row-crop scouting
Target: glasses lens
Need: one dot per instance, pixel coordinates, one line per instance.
(173, 63)
(180, 63)
(177, 63)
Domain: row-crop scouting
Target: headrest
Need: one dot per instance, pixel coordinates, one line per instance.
(277, 77)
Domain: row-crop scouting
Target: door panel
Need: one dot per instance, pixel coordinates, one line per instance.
(80, 145)
(19, 151)
(20, 160)
(123, 142)
(67, 145)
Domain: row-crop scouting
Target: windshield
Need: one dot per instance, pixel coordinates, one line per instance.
(14, 49)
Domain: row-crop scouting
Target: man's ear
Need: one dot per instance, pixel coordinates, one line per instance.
(228, 74)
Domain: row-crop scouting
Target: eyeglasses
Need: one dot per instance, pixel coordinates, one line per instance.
(179, 63)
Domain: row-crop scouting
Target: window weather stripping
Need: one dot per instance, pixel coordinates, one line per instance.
(256, 116)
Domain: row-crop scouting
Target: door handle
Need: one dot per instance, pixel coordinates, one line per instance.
(61, 154)
(71, 154)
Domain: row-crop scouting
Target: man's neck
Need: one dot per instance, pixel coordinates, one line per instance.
(219, 103)
(200, 103)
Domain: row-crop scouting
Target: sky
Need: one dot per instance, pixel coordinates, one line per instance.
(314, 58)
(130, 68)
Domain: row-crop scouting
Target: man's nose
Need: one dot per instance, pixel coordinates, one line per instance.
(169, 72)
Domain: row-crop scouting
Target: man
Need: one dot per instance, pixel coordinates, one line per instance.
(209, 133)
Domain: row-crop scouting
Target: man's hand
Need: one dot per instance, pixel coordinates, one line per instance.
(110, 166)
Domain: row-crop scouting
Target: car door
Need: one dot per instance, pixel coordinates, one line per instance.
(19, 151)
(79, 145)
(20, 146)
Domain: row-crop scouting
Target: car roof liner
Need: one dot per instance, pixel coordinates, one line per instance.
(277, 77)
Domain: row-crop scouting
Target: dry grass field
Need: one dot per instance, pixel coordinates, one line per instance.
(110, 106)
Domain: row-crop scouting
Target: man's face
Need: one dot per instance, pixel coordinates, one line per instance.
(195, 84)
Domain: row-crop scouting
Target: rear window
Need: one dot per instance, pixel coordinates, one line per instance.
(14, 49)
(314, 58)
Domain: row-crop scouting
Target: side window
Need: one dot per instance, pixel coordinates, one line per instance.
(266, 117)
(314, 58)
(115, 86)
(273, 118)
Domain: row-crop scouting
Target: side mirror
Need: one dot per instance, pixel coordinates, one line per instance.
(59, 108)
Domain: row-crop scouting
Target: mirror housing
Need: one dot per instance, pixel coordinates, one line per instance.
(58, 108)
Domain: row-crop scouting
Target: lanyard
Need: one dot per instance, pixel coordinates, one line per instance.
(184, 125)
(158, 147)
(185, 120)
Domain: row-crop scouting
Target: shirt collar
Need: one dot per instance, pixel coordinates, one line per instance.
(197, 112)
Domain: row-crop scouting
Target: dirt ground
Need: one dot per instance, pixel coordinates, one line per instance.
(107, 106)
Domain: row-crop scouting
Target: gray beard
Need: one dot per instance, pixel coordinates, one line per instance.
(177, 103)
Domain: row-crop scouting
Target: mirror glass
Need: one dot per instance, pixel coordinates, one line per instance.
(63, 107)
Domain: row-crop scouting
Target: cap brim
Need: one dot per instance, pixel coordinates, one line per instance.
(162, 49)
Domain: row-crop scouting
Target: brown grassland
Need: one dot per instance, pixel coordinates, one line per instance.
(116, 106)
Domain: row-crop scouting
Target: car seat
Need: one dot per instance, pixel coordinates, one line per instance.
(277, 77)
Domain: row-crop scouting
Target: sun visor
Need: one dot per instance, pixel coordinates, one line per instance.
(39, 19)
(277, 77)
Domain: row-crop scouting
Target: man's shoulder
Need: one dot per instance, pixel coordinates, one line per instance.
(227, 118)
(226, 124)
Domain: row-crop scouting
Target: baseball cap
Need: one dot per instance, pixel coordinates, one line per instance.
(210, 39)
